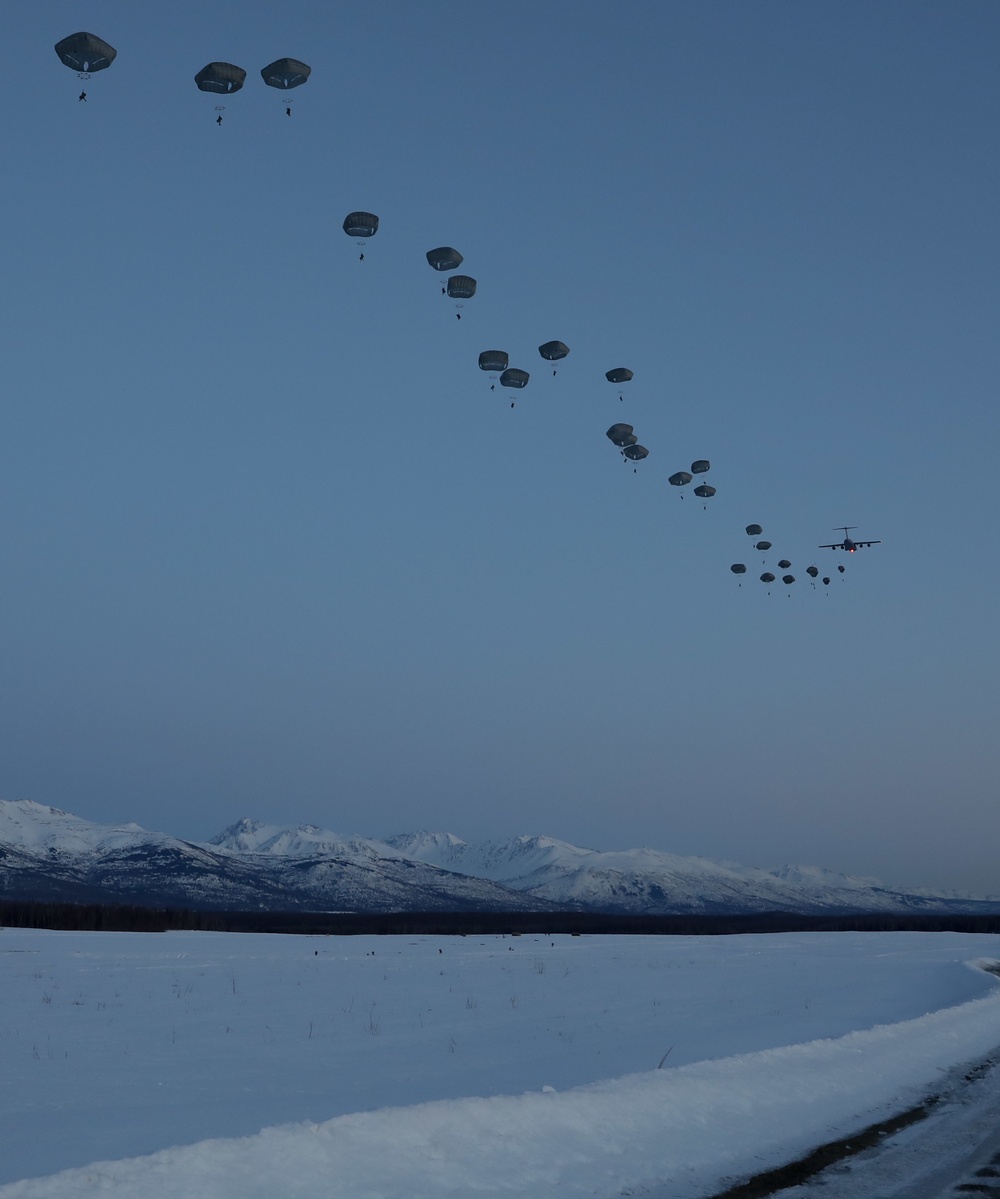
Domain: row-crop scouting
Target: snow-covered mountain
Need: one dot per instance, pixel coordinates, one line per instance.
(49, 854)
(649, 880)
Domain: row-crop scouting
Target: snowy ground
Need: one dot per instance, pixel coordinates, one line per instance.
(377, 1067)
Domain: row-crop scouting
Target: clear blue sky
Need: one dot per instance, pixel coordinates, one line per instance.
(271, 547)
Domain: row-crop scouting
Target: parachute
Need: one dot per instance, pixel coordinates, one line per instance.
(285, 73)
(621, 374)
(680, 479)
(512, 377)
(841, 569)
(635, 453)
(704, 492)
(361, 225)
(220, 77)
(826, 580)
(762, 545)
(784, 564)
(85, 53)
(788, 579)
(812, 571)
(767, 577)
(738, 568)
(622, 435)
(493, 360)
(461, 287)
(754, 530)
(700, 466)
(553, 351)
(444, 258)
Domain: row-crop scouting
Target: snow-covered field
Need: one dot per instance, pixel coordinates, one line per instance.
(211, 1065)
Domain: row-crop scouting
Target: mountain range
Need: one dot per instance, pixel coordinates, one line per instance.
(47, 854)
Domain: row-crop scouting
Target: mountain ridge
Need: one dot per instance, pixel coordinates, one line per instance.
(52, 854)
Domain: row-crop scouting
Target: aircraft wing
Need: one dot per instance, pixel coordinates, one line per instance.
(861, 543)
(839, 546)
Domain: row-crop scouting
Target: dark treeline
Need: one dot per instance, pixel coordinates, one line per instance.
(131, 918)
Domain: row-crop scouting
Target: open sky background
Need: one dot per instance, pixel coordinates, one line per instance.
(271, 547)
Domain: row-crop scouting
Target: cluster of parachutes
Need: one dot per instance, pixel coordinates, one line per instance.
(624, 437)
(681, 478)
(86, 53)
(739, 568)
(224, 78)
(496, 362)
(458, 287)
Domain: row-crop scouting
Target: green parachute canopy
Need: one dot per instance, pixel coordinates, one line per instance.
(285, 73)
(221, 77)
(622, 435)
(493, 360)
(512, 377)
(361, 224)
(85, 52)
(444, 258)
(461, 287)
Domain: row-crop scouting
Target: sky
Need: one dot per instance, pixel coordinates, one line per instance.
(231, 1066)
(273, 548)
